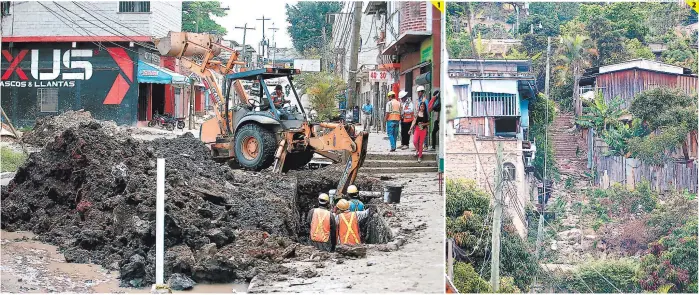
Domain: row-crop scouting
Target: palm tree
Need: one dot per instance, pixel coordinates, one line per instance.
(574, 55)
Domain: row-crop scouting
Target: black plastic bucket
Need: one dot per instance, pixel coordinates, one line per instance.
(391, 194)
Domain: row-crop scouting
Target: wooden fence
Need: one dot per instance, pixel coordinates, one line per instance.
(630, 172)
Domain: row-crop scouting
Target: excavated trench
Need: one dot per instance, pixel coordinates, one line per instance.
(93, 195)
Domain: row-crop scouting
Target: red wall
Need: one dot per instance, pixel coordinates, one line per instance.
(169, 63)
(413, 16)
(436, 47)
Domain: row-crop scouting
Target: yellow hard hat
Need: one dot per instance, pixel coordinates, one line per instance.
(323, 198)
(391, 93)
(343, 205)
(352, 189)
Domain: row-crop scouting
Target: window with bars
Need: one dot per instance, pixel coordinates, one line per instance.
(494, 104)
(134, 6)
(48, 99)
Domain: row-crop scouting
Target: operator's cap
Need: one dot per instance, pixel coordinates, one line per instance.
(420, 88)
(343, 205)
(323, 198)
(352, 189)
(391, 93)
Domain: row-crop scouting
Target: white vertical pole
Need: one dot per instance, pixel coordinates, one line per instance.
(160, 222)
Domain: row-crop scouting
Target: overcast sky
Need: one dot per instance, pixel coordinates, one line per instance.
(242, 12)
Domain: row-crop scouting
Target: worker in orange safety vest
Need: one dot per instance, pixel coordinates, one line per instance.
(322, 221)
(348, 223)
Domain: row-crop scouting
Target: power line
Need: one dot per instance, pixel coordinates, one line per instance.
(115, 30)
(86, 31)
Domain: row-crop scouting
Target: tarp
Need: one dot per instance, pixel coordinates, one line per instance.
(150, 73)
(495, 86)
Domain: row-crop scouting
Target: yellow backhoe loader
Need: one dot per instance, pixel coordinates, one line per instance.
(248, 127)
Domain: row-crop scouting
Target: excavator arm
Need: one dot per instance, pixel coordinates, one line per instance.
(339, 137)
(196, 53)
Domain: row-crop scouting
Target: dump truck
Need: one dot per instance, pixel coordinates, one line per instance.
(247, 127)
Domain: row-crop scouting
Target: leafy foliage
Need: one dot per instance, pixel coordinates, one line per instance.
(322, 88)
(662, 106)
(657, 149)
(467, 280)
(467, 223)
(197, 15)
(10, 160)
(617, 200)
(604, 276)
(672, 261)
(307, 19)
(600, 115)
(538, 124)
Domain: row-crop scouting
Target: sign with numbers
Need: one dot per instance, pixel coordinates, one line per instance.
(380, 76)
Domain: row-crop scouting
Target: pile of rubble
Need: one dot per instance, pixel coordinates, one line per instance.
(93, 195)
(47, 128)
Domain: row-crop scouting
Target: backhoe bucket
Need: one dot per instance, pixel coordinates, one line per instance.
(209, 130)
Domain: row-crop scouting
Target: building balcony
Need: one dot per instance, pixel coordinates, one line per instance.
(406, 42)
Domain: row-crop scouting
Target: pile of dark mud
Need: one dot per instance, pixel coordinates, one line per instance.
(47, 128)
(93, 195)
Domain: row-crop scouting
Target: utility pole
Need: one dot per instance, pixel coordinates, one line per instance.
(354, 55)
(497, 223)
(263, 19)
(548, 56)
(245, 31)
(274, 54)
(540, 231)
(191, 105)
(323, 54)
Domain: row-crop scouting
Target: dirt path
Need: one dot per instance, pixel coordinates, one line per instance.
(417, 267)
(28, 266)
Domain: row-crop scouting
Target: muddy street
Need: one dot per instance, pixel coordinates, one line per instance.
(416, 267)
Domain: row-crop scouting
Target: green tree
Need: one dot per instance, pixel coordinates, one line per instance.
(600, 115)
(663, 106)
(609, 42)
(196, 17)
(322, 89)
(307, 20)
(635, 49)
(459, 45)
(574, 55)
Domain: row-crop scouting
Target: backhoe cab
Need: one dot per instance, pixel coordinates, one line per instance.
(260, 134)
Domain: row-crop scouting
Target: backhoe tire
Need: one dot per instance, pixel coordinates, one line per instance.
(254, 147)
(297, 160)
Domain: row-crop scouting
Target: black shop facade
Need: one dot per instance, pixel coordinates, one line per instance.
(48, 78)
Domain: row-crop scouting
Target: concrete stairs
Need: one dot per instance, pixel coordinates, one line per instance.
(399, 162)
(570, 150)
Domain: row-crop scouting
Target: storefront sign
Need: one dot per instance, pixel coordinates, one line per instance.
(379, 77)
(148, 73)
(71, 70)
(149, 57)
(426, 50)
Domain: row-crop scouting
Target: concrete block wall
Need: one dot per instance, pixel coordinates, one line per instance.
(31, 19)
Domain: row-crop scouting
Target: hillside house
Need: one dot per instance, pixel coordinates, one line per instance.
(493, 109)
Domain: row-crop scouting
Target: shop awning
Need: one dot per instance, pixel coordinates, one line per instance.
(150, 73)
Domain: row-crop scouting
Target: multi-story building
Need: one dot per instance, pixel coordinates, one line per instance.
(492, 109)
(409, 43)
(96, 56)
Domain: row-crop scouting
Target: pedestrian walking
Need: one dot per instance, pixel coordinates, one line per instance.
(435, 106)
(392, 118)
(407, 116)
(367, 111)
(421, 99)
(419, 127)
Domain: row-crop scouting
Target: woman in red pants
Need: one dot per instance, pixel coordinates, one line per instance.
(419, 127)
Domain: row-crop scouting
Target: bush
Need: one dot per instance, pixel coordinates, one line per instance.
(618, 200)
(463, 195)
(467, 280)
(672, 261)
(10, 160)
(604, 276)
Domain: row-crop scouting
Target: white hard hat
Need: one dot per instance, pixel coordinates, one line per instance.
(402, 94)
(420, 88)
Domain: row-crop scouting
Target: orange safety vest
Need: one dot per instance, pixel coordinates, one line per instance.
(407, 116)
(348, 229)
(394, 112)
(320, 225)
